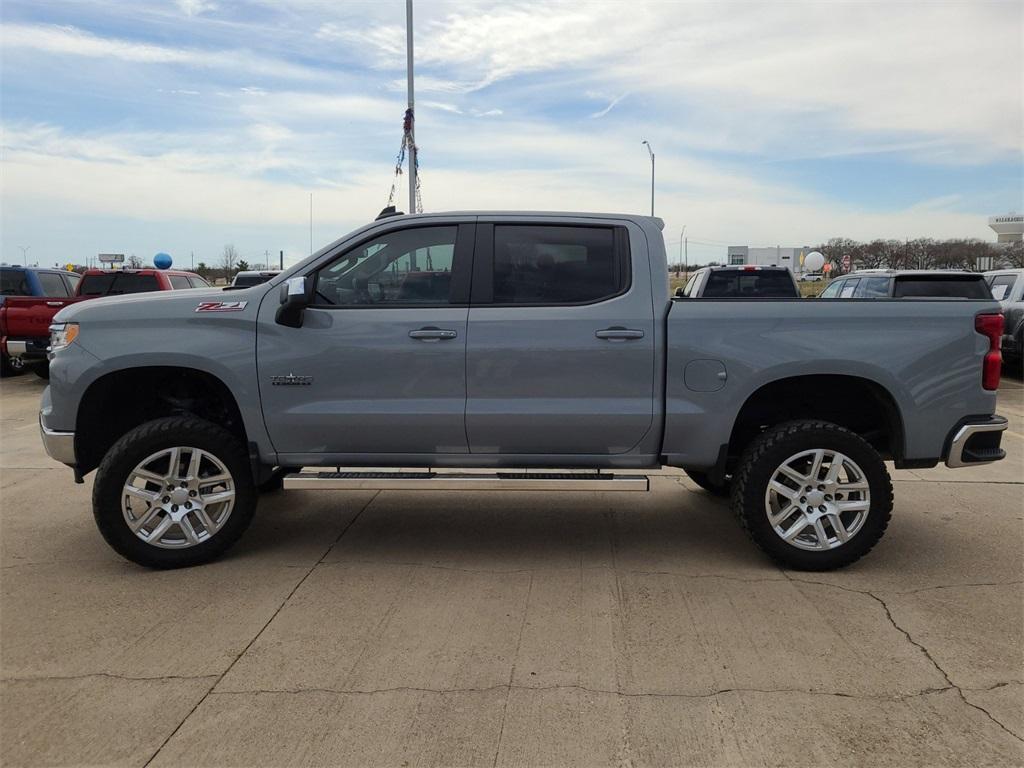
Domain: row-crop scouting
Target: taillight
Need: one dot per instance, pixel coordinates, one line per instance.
(992, 327)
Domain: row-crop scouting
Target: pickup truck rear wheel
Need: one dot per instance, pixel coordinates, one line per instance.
(174, 492)
(812, 495)
(11, 366)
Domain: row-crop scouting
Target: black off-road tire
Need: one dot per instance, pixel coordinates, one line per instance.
(9, 368)
(759, 462)
(147, 439)
(42, 370)
(715, 489)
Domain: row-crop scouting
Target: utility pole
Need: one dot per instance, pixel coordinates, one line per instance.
(193, 253)
(311, 222)
(412, 113)
(282, 261)
(651, 153)
(24, 253)
(686, 255)
(681, 238)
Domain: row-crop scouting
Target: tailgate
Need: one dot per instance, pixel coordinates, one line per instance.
(24, 317)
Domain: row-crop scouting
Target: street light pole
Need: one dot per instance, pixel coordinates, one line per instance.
(24, 253)
(651, 153)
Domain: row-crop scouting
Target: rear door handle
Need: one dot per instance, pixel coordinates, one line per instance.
(55, 303)
(618, 333)
(433, 334)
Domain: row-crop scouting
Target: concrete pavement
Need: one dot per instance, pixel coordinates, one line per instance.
(512, 629)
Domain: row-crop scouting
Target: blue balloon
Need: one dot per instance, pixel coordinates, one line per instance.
(162, 261)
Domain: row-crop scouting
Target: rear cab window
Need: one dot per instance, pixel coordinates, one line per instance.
(941, 287)
(117, 283)
(749, 284)
(536, 264)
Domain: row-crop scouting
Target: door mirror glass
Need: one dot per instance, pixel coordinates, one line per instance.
(294, 300)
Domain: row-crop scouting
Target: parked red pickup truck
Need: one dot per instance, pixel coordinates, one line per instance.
(25, 320)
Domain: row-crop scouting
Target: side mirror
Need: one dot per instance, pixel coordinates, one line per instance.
(295, 297)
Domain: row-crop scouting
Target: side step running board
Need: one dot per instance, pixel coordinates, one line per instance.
(455, 481)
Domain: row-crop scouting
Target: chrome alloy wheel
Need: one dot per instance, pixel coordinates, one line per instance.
(817, 499)
(178, 497)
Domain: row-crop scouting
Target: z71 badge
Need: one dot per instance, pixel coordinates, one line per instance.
(221, 306)
(291, 380)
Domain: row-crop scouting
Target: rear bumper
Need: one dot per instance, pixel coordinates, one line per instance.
(976, 442)
(59, 446)
(27, 349)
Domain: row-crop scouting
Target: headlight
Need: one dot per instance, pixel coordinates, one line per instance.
(62, 334)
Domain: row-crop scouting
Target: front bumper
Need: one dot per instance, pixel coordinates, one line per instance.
(976, 442)
(59, 446)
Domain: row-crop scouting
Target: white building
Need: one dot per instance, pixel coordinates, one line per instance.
(1009, 228)
(775, 256)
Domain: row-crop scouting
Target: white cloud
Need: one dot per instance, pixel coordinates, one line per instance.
(196, 7)
(71, 41)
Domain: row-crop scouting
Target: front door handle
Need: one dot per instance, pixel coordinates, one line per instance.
(619, 333)
(432, 334)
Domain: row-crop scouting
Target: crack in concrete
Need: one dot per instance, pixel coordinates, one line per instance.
(892, 620)
(111, 675)
(512, 672)
(256, 637)
(587, 689)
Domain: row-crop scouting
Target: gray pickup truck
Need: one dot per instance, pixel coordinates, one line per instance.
(535, 345)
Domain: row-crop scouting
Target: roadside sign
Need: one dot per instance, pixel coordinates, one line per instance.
(846, 263)
(69, 267)
(111, 258)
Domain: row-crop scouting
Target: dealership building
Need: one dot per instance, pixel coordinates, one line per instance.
(1009, 228)
(772, 256)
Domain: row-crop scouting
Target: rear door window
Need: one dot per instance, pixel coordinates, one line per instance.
(1002, 286)
(872, 288)
(52, 284)
(198, 282)
(539, 264)
(14, 282)
(72, 279)
(179, 281)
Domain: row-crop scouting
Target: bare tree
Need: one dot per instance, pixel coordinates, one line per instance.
(134, 262)
(228, 260)
(1012, 254)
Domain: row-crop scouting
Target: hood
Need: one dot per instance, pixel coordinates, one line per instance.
(157, 303)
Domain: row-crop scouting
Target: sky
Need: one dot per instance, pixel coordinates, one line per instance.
(184, 125)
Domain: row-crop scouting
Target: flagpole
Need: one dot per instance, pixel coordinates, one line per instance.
(412, 121)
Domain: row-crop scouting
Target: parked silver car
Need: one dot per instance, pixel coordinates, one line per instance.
(1007, 286)
(908, 284)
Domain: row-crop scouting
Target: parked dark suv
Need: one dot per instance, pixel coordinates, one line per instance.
(747, 281)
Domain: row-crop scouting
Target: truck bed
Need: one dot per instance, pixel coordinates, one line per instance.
(925, 354)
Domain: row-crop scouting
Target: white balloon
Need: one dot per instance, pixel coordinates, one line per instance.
(814, 261)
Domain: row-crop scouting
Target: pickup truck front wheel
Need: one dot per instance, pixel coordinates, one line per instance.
(813, 495)
(174, 492)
